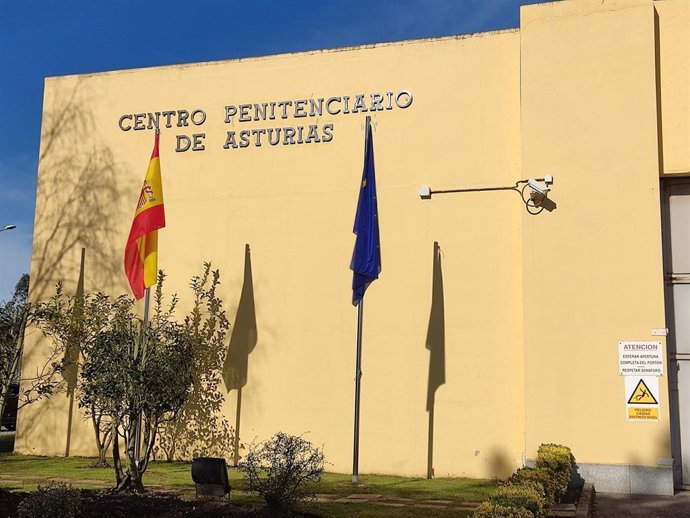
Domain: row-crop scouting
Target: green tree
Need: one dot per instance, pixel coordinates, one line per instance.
(145, 372)
(73, 323)
(125, 370)
(135, 372)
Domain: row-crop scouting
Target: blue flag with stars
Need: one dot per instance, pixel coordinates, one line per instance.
(366, 257)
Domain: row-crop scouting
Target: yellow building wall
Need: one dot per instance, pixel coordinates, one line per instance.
(294, 205)
(593, 268)
(673, 19)
(594, 93)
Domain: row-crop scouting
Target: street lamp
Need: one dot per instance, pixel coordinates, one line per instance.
(536, 200)
(8, 227)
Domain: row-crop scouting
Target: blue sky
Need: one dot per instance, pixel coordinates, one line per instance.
(40, 38)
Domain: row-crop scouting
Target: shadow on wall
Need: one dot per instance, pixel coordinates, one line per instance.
(77, 187)
(77, 190)
(499, 464)
(71, 358)
(200, 429)
(242, 343)
(436, 343)
(681, 189)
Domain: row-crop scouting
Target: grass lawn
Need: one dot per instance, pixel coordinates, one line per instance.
(174, 474)
(24, 473)
(455, 489)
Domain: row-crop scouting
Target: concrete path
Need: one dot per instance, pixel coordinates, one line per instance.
(611, 505)
(372, 498)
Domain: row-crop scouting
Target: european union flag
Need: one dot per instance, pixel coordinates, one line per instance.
(366, 257)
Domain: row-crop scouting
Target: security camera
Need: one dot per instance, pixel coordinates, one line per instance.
(425, 192)
(548, 179)
(538, 187)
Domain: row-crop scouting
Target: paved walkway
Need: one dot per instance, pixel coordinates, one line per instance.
(371, 498)
(610, 505)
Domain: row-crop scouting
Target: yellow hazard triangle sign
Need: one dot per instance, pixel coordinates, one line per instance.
(642, 395)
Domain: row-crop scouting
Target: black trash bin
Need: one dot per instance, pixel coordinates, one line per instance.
(210, 475)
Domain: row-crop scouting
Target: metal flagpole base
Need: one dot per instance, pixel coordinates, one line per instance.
(358, 378)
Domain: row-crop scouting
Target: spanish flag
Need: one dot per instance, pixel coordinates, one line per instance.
(141, 252)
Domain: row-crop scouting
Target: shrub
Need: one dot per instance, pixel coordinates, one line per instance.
(489, 510)
(559, 461)
(284, 470)
(538, 476)
(520, 496)
(54, 500)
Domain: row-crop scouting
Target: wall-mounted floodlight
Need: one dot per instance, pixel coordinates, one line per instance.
(535, 201)
(8, 227)
(538, 187)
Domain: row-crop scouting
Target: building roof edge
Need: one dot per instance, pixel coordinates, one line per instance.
(287, 54)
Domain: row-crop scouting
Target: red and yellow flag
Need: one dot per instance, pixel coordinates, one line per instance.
(141, 252)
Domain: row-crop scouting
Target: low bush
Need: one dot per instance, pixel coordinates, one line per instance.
(284, 470)
(520, 496)
(559, 461)
(489, 510)
(541, 477)
(531, 492)
(54, 500)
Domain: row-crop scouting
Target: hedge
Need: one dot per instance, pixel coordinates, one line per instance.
(540, 476)
(489, 510)
(531, 492)
(54, 500)
(559, 461)
(520, 496)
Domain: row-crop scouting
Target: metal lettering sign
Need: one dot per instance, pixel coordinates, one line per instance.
(238, 115)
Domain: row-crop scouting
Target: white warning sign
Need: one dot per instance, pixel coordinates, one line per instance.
(642, 398)
(640, 358)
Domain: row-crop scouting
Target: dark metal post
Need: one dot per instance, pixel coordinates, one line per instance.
(236, 452)
(430, 450)
(69, 423)
(137, 446)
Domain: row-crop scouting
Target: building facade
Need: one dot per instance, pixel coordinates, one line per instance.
(536, 310)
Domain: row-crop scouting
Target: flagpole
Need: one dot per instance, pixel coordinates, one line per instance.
(137, 445)
(358, 379)
(366, 266)
(149, 217)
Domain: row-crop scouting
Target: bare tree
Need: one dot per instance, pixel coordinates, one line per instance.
(13, 317)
